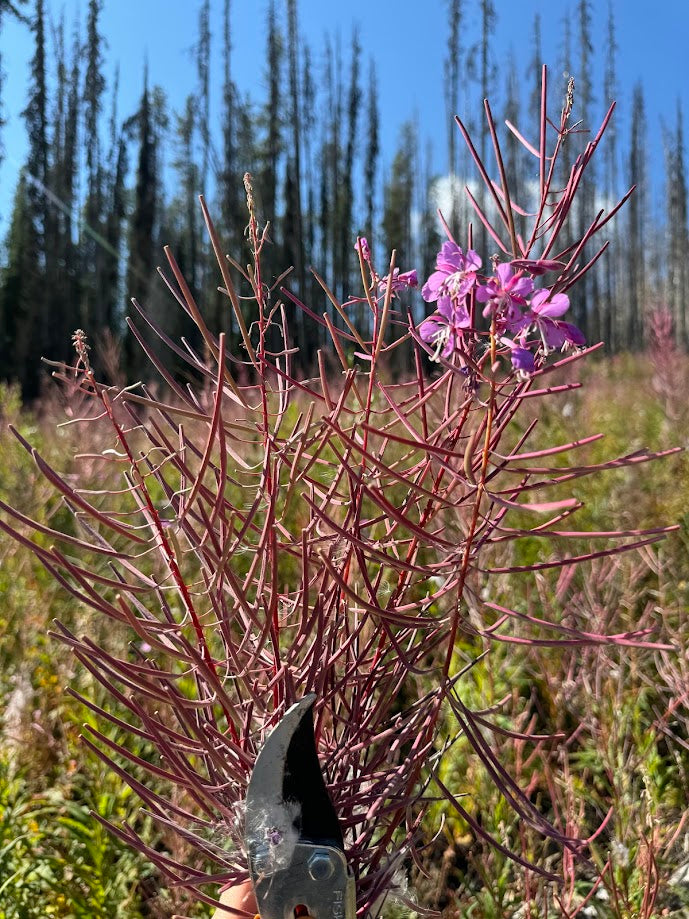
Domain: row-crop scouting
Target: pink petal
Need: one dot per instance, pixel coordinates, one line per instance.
(486, 292)
(431, 288)
(553, 336)
(573, 335)
(521, 287)
(472, 260)
(550, 308)
(505, 272)
(430, 327)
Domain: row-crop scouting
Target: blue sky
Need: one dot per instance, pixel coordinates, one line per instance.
(407, 38)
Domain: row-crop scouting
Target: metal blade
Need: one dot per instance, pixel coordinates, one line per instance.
(287, 798)
(294, 840)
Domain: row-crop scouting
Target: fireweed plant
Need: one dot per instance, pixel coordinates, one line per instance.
(332, 535)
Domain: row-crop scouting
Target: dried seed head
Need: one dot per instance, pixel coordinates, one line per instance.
(82, 347)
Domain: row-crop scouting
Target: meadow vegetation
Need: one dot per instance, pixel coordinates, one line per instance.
(501, 703)
(623, 711)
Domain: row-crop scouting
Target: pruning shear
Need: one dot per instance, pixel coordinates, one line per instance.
(297, 863)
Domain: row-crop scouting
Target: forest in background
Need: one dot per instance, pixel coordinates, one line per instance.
(101, 192)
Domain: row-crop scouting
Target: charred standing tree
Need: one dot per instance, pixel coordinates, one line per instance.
(62, 263)
(677, 231)
(586, 304)
(372, 151)
(14, 9)
(453, 72)
(27, 323)
(294, 243)
(273, 144)
(346, 187)
(399, 199)
(632, 336)
(118, 162)
(94, 255)
(143, 219)
(610, 282)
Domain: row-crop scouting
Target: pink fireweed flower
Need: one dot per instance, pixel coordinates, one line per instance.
(400, 281)
(544, 316)
(523, 360)
(504, 294)
(454, 276)
(444, 329)
(361, 245)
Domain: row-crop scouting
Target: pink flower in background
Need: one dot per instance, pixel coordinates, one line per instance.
(454, 276)
(361, 245)
(400, 281)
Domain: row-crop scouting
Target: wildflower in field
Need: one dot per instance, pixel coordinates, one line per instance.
(504, 294)
(361, 245)
(543, 316)
(453, 278)
(444, 328)
(400, 280)
(523, 360)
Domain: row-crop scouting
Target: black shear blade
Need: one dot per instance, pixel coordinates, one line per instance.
(287, 798)
(296, 853)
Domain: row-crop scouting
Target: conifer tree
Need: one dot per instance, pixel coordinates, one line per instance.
(483, 70)
(6, 8)
(561, 87)
(229, 179)
(143, 217)
(273, 143)
(293, 227)
(637, 213)
(372, 150)
(513, 151)
(399, 198)
(533, 77)
(610, 183)
(452, 73)
(118, 163)
(429, 236)
(329, 159)
(15, 7)
(61, 267)
(94, 88)
(18, 281)
(586, 302)
(184, 223)
(26, 317)
(677, 230)
(36, 119)
(566, 88)
(97, 258)
(203, 66)
(309, 126)
(346, 187)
